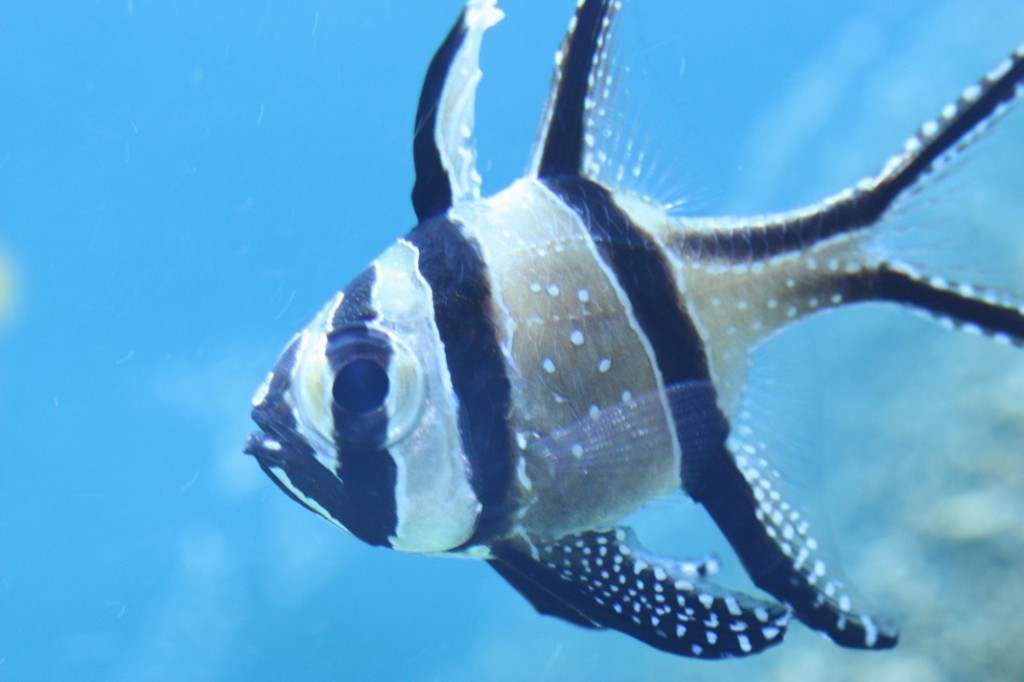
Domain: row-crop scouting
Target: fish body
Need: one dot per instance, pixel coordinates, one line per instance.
(520, 372)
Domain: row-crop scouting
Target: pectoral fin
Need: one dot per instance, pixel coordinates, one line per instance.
(546, 603)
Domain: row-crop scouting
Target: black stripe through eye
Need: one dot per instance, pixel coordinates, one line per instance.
(359, 357)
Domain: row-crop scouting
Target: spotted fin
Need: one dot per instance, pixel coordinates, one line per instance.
(732, 477)
(774, 541)
(610, 581)
(443, 149)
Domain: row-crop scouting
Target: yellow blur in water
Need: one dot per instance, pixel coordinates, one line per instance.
(6, 288)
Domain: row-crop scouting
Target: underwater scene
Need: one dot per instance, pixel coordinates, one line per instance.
(184, 185)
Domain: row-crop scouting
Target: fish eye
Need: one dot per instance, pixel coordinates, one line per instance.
(374, 387)
(361, 386)
(360, 359)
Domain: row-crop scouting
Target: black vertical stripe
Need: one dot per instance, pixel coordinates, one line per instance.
(563, 143)
(432, 192)
(709, 472)
(367, 470)
(645, 275)
(641, 269)
(463, 307)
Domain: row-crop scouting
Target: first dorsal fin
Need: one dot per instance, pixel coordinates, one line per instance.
(443, 149)
(562, 140)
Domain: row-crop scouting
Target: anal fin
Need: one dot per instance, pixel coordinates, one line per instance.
(611, 581)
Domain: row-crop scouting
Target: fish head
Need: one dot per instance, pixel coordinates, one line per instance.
(357, 420)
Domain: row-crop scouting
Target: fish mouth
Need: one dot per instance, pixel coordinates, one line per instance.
(278, 436)
(277, 440)
(265, 448)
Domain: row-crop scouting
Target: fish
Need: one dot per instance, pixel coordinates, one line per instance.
(521, 371)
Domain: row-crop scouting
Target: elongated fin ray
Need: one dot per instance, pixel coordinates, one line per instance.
(935, 144)
(561, 142)
(611, 581)
(443, 149)
(957, 304)
(741, 491)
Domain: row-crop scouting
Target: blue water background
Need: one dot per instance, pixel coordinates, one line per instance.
(183, 184)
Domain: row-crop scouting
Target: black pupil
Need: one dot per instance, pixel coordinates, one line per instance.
(361, 386)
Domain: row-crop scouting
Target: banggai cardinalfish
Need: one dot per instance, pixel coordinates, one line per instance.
(521, 371)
